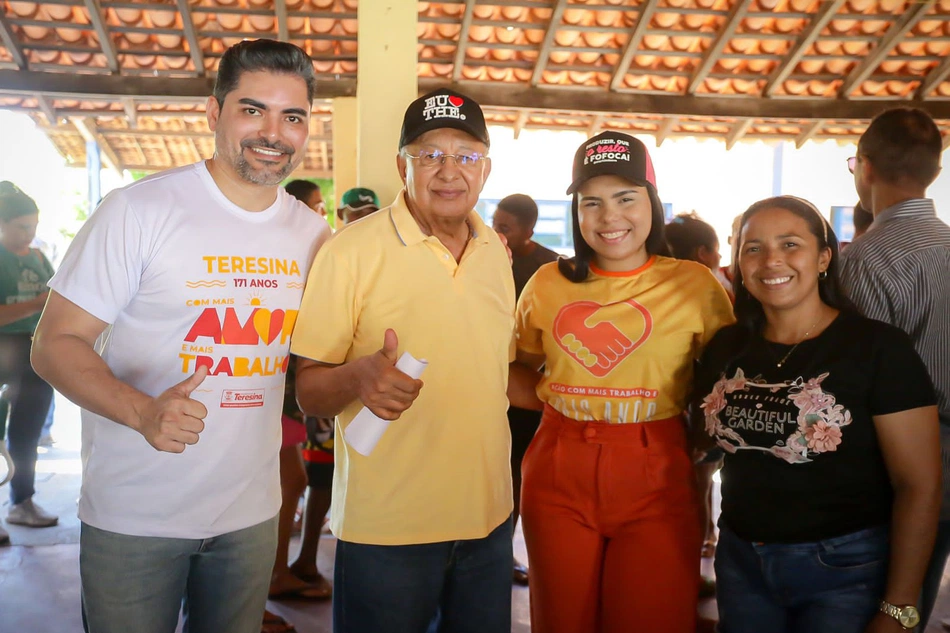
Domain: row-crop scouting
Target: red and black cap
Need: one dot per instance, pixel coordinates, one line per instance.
(615, 154)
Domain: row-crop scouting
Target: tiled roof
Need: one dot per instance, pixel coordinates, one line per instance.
(731, 69)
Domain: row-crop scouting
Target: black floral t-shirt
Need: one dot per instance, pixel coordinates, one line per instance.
(802, 458)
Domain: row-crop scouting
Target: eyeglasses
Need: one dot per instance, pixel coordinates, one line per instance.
(430, 159)
(852, 162)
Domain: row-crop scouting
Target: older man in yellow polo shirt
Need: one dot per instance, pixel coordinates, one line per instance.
(423, 521)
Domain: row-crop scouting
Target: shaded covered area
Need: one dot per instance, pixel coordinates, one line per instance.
(134, 75)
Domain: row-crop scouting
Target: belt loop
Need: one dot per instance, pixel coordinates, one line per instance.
(644, 441)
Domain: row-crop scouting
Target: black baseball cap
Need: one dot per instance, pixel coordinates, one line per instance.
(615, 154)
(439, 109)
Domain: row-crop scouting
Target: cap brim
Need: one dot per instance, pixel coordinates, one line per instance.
(438, 124)
(605, 169)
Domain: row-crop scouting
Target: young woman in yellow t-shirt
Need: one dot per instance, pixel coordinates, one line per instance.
(609, 505)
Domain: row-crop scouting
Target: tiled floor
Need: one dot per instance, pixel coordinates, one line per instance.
(39, 587)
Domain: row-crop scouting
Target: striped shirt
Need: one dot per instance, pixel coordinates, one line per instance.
(899, 272)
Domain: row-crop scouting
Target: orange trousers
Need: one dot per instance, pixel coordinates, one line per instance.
(611, 521)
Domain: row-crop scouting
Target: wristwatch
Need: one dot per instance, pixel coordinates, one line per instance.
(907, 616)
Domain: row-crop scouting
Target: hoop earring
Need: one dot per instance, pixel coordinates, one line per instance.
(823, 275)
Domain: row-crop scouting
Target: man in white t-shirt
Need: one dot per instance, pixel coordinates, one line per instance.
(169, 323)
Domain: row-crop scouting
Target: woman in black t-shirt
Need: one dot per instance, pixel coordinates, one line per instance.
(831, 481)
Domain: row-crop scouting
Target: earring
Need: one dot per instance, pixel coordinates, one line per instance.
(823, 274)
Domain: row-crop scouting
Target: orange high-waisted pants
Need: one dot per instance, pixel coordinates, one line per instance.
(611, 521)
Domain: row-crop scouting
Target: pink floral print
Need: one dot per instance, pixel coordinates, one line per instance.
(820, 419)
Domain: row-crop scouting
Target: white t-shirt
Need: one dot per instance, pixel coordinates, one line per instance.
(187, 278)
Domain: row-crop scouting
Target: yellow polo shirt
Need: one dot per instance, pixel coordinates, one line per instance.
(441, 471)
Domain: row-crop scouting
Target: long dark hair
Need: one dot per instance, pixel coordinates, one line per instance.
(748, 309)
(687, 233)
(578, 267)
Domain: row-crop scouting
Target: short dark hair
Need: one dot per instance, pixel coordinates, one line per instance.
(301, 189)
(14, 203)
(862, 217)
(263, 55)
(903, 143)
(578, 267)
(522, 207)
(686, 233)
(749, 312)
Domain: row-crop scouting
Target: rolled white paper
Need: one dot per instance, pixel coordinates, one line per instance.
(364, 432)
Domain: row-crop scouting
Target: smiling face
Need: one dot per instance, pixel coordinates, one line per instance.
(262, 127)
(780, 259)
(615, 218)
(447, 190)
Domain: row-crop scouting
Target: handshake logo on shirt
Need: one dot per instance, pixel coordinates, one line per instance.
(587, 331)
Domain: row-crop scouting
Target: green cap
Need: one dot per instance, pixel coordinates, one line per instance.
(359, 198)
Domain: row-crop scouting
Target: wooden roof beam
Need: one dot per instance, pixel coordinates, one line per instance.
(934, 78)
(463, 40)
(804, 42)
(191, 36)
(46, 107)
(87, 129)
(734, 19)
(143, 88)
(894, 34)
(131, 112)
(647, 8)
(280, 9)
(545, 50)
(737, 132)
(94, 9)
(497, 95)
(520, 122)
(10, 42)
(808, 133)
(665, 128)
(596, 126)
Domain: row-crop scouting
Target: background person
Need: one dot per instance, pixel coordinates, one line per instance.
(24, 272)
(309, 193)
(357, 203)
(897, 272)
(515, 218)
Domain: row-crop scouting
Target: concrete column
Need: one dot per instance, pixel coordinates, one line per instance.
(387, 82)
(345, 134)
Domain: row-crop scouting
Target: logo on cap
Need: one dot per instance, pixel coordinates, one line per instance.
(607, 151)
(365, 198)
(443, 107)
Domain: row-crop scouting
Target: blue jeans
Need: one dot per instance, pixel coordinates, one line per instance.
(449, 587)
(829, 586)
(140, 583)
(938, 560)
(28, 398)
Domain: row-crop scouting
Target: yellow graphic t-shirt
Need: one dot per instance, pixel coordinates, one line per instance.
(620, 347)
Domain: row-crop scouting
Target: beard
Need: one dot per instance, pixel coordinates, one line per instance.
(267, 176)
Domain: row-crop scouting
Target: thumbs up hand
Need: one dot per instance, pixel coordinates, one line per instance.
(383, 389)
(173, 420)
